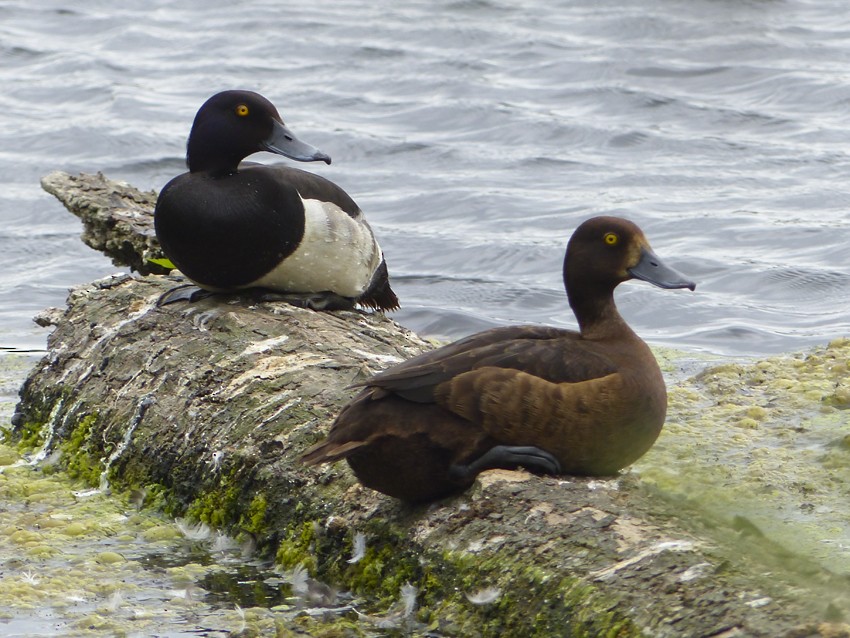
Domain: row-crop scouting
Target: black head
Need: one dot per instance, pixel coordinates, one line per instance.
(232, 125)
(606, 251)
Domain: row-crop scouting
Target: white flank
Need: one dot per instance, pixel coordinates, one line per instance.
(337, 253)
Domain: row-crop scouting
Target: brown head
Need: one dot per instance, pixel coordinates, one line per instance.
(604, 252)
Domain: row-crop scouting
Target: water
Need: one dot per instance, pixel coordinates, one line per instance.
(476, 135)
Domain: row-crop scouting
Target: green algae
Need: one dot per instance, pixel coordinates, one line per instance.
(154, 496)
(253, 521)
(160, 533)
(297, 548)
(383, 570)
(31, 435)
(82, 462)
(79, 565)
(532, 602)
(227, 505)
(218, 505)
(58, 548)
(764, 441)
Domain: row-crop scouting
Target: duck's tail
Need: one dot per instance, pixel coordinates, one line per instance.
(379, 295)
(329, 451)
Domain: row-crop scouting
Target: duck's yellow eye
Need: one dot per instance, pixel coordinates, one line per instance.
(242, 110)
(611, 239)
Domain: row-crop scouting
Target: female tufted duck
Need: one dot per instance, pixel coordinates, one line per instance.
(548, 399)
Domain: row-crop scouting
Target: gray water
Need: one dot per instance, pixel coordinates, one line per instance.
(476, 135)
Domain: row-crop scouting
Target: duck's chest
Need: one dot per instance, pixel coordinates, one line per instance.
(225, 232)
(619, 421)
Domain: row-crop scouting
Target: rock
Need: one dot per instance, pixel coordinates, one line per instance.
(117, 218)
(204, 408)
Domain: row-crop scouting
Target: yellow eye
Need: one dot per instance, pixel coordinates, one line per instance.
(242, 110)
(611, 239)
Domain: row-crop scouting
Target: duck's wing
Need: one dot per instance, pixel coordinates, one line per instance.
(312, 186)
(516, 407)
(466, 378)
(554, 354)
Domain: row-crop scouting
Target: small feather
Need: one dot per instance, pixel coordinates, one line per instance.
(199, 532)
(484, 596)
(30, 578)
(408, 598)
(299, 578)
(115, 601)
(358, 548)
(223, 543)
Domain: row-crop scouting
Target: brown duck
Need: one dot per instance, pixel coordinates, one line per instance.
(547, 399)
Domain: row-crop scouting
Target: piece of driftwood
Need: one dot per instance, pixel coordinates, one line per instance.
(117, 219)
(205, 408)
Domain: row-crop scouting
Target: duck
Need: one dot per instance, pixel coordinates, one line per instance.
(547, 399)
(229, 225)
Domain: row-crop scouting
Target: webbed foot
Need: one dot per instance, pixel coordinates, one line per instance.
(508, 457)
(183, 292)
(312, 300)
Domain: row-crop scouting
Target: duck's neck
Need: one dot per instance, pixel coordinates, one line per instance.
(598, 317)
(208, 157)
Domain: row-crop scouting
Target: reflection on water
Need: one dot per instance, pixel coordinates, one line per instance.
(78, 562)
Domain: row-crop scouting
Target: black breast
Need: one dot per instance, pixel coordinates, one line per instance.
(227, 232)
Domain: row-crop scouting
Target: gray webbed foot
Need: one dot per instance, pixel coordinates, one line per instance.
(313, 301)
(508, 457)
(184, 292)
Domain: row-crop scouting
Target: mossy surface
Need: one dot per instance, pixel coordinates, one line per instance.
(217, 505)
(32, 432)
(764, 441)
(530, 601)
(82, 462)
(253, 521)
(297, 547)
(219, 399)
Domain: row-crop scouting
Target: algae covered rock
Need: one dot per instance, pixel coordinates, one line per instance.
(203, 409)
(194, 395)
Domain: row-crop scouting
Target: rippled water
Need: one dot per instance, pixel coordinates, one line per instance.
(476, 135)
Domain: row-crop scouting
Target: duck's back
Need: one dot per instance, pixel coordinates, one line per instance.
(310, 186)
